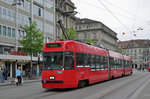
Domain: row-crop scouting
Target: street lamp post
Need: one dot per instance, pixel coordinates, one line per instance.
(16, 3)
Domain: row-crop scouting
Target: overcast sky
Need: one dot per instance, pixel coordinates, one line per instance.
(132, 14)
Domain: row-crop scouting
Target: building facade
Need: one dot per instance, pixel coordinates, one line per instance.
(139, 50)
(65, 12)
(14, 16)
(98, 32)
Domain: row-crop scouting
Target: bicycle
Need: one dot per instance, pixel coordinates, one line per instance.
(30, 75)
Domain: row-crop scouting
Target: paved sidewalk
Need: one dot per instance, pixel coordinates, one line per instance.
(10, 81)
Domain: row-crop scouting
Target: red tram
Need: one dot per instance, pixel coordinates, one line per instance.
(71, 64)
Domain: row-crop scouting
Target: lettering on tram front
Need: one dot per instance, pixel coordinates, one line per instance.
(53, 45)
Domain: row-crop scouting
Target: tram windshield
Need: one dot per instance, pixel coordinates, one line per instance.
(54, 61)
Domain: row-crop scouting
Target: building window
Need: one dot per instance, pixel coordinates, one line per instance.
(0, 12)
(9, 32)
(7, 51)
(9, 14)
(4, 31)
(139, 51)
(4, 13)
(13, 17)
(39, 12)
(0, 30)
(94, 36)
(87, 27)
(19, 32)
(23, 34)
(85, 36)
(131, 52)
(13, 33)
(79, 27)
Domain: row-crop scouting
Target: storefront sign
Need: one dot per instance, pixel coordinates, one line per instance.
(3, 60)
(9, 60)
(23, 60)
(18, 53)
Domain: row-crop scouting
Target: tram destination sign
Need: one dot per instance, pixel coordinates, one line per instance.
(55, 45)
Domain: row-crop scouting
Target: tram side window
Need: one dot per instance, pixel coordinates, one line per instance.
(97, 61)
(115, 63)
(122, 64)
(86, 60)
(69, 62)
(92, 62)
(129, 65)
(111, 63)
(126, 64)
(79, 59)
(118, 63)
(104, 63)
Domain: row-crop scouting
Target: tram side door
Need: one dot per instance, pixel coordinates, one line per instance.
(69, 72)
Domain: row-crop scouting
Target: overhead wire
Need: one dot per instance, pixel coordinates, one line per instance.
(95, 6)
(130, 13)
(135, 16)
(116, 18)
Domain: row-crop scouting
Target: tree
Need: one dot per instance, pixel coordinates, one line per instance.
(33, 41)
(90, 41)
(71, 34)
(121, 51)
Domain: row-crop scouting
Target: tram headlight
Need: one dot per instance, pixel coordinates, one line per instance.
(52, 77)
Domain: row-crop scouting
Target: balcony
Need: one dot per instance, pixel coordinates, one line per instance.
(58, 8)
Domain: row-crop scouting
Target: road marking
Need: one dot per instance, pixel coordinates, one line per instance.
(139, 90)
(146, 95)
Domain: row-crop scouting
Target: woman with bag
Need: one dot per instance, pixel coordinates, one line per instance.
(2, 74)
(18, 76)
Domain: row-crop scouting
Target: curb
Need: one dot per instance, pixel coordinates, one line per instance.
(29, 81)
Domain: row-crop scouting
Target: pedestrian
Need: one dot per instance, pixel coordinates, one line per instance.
(18, 75)
(143, 68)
(139, 68)
(2, 74)
(5, 74)
(27, 72)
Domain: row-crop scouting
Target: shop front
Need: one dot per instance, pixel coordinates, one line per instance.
(12, 62)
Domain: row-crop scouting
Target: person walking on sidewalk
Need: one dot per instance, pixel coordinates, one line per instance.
(2, 74)
(18, 75)
(5, 74)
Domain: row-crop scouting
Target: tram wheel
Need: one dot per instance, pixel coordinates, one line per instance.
(81, 84)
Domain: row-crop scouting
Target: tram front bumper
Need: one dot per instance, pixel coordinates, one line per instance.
(55, 81)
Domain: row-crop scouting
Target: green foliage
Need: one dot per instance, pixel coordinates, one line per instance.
(90, 41)
(121, 51)
(28, 0)
(33, 41)
(71, 33)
